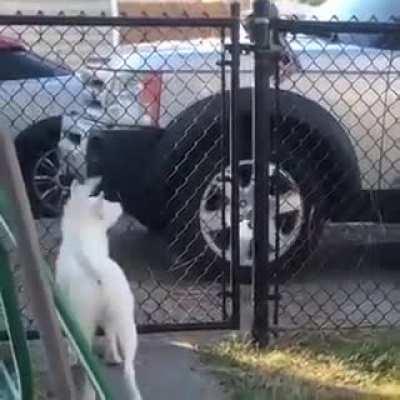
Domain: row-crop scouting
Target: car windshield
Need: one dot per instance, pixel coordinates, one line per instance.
(364, 10)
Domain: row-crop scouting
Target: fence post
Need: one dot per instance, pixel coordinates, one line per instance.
(30, 257)
(234, 150)
(261, 151)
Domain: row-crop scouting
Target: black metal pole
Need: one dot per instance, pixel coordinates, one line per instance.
(261, 142)
(234, 150)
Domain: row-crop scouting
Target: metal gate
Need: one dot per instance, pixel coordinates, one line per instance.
(149, 103)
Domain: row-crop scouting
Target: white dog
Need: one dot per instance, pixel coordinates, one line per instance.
(94, 285)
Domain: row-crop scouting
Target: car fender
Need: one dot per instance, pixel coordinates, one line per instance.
(42, 134)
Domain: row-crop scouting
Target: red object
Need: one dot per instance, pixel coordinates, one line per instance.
(150, 96)
(7, 43)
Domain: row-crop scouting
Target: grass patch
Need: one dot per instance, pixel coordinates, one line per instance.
(355, 365)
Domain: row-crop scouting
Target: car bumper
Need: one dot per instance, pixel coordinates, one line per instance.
(122, 157)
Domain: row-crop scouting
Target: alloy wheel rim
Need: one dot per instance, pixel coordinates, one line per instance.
(285, 220)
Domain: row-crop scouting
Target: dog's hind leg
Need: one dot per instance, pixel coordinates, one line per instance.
(130, 377)
(112, 355)
(88, 392)
(127, 341)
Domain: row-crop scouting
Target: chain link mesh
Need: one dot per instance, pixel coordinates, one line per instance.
(160, 90)
(335, 159)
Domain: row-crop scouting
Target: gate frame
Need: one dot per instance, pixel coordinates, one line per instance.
(231, 24)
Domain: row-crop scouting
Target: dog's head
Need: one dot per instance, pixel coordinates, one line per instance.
(83, 207)
(104, 211)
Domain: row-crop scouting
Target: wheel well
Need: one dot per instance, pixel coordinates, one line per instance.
(37, 137)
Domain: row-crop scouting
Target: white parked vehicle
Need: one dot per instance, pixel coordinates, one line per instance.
(340, 99)
(34, 95)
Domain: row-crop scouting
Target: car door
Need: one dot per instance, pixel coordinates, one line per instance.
(390, 164)
(375, 105)
(350, 81)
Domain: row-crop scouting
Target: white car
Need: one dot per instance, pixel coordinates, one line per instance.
(340, 138)
(34, 95)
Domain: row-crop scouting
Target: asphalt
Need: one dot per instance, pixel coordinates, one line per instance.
(168, 367)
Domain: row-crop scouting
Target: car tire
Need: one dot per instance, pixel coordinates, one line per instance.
(189, 242)
(184, 194)
(35, 148)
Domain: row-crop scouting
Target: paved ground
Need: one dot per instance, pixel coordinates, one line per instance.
(168, 368)
(353, 280)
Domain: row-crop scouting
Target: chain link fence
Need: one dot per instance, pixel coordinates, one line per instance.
(334, 158)
(151, 105)
(142, 102)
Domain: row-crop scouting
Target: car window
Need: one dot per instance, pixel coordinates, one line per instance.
(17, 65)
(364, 10)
